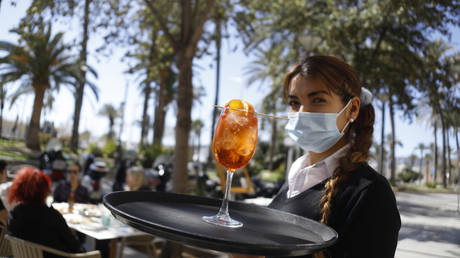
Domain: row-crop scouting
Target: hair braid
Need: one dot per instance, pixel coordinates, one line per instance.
(360, 141)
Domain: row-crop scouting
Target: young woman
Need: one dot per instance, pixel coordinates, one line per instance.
(31, 219)
(332, 118)
(65, 189)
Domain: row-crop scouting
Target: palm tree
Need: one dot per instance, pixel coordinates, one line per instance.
(2, 104)
(452, 123)
(421, 147)
(428, 158)
(165, 94)
(436, 83)
(383, 99)
(269, 66)
(412, 159)
(218, 41)
(428, 114)
(70, 9)
(109, 111)
(42, 61)
(147, 58)
(145, 87)
(197, 126)
(392, 144)
(80, 89)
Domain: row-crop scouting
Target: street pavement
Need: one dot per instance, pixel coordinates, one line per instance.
(430, 225)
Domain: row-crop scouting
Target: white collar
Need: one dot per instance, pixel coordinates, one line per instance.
(302, 177)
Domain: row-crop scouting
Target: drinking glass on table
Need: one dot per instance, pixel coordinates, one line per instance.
(234, 144)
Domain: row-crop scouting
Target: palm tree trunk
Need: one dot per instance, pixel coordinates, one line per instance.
(2, 104)
(427, 171)
(81, 86)
(449, 160)
(456, 141)
(111, 134)
(458, 154)
(435, 151)
(393, 143)
(32, 141)
(216, 98)
(421, 161)
(145, 116)
(382, 141)
(199, 145)
(273, 142)
(160, 107)
(443, 169)
(184, 122)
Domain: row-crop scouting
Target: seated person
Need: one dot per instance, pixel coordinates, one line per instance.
(65, 189)
(3, 211)
(135, 177)
(92, 181)
(32, 220)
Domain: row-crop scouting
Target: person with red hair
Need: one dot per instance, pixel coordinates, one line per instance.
(32, 219)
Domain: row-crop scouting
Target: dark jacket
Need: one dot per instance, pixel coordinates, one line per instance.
(62, 192)
(364, 214)
(43, 225)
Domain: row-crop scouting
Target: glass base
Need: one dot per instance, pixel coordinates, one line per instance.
(222, 220)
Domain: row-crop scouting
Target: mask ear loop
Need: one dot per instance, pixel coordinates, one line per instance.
(346, 125)
(349, 121)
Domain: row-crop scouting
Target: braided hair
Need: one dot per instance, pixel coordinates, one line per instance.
(342, 79)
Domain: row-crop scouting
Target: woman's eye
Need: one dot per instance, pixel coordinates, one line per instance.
(318, 100)
(294, 104)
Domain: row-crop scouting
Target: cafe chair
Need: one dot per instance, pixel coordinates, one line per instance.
(5, 247)
(139, 241)
(25, 249)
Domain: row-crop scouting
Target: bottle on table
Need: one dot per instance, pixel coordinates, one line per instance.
(71, 201)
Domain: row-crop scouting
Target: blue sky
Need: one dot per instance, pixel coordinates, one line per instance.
(112, 82)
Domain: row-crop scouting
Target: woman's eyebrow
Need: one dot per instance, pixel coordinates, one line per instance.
(292, 97)
(314, 93)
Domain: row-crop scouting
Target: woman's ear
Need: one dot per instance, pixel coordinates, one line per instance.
(354, 110)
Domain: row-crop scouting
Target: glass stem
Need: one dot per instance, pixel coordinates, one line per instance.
(228, 184)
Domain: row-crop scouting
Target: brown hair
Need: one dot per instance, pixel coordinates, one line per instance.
(343, 80)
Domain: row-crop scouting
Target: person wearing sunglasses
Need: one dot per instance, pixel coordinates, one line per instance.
(66, 189)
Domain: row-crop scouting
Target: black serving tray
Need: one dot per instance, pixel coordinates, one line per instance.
(177, 217)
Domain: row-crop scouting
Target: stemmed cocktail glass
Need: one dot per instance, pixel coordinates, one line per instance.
(234, 143)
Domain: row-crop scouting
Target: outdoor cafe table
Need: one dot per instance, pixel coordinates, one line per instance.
(87, 219)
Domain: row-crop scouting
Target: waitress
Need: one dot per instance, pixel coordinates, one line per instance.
(332, 119)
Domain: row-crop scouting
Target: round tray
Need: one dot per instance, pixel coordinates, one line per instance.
(177, 217)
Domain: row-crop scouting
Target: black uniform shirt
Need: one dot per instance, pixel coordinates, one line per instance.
(364, 214)
(62, 193)
(42, 225)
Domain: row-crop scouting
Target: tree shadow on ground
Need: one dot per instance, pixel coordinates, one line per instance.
(414, 253)
(410, 209)
(423, 233)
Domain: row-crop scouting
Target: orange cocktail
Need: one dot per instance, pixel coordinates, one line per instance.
(234, 143)
(236, 135)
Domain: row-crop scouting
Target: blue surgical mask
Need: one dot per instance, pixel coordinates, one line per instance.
(316, 132)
